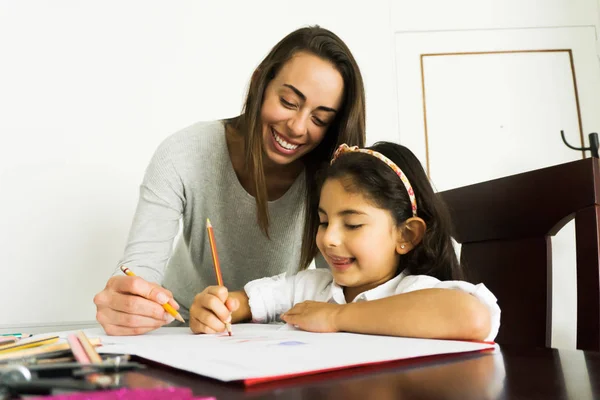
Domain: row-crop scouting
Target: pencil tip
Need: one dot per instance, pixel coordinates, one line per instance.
(208, 222)
(229, 333)
(179, 318)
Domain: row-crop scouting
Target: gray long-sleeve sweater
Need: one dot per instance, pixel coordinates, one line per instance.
(191, 178)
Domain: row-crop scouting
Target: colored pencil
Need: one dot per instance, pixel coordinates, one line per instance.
(89, 349)
(217, 265)
(42, 351)
(8, 340)
(78, 350)
(168, 308)
(17, 335)
(27, 343)
(85, 353)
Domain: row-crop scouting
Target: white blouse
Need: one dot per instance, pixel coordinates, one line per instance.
(271, 297)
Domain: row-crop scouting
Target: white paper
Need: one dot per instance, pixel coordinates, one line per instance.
(261, 350)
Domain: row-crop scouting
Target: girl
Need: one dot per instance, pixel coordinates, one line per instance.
(252, 175)
(386, 238)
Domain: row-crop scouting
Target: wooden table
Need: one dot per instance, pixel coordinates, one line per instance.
(511, 373)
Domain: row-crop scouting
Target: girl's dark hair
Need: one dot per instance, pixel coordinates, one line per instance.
(347, 127)
(375, 180)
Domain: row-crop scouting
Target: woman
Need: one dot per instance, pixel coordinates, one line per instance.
(253, 176)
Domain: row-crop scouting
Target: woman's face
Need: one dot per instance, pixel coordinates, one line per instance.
(299, 105)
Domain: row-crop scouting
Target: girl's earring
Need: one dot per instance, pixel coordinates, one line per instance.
(402, 246)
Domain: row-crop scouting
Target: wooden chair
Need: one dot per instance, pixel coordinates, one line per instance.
(505, 225)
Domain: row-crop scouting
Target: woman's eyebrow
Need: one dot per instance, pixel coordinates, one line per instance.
(303, 97)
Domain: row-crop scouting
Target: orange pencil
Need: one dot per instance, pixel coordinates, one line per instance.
(168, 308)
(215, 257)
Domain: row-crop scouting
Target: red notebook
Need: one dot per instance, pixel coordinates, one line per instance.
(313, 376)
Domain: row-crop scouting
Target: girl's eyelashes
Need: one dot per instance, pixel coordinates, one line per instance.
(319, 122)
(353, 227)
(348, 226)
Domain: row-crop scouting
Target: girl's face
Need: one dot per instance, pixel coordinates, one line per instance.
(360, 242)
(299, 105)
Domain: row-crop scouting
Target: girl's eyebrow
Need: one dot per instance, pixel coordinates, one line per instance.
(303, 97)
(351, 212)
(344, 212)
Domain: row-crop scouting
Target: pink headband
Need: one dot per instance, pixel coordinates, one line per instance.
(344, 148)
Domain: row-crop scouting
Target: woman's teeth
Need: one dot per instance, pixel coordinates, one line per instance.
(283, 143)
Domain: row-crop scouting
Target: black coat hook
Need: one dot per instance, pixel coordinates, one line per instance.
(593, 137)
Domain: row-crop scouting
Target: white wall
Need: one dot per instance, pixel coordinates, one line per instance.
(439, 15)
(88, 89)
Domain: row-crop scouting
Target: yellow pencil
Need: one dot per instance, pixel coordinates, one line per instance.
(217, 265)
(40, 351)
(28, 343)
(168, 308)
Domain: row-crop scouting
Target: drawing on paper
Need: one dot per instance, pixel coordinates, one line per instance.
(291, 343)
(271, 341)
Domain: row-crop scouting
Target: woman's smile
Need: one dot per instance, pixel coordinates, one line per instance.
(283, 145)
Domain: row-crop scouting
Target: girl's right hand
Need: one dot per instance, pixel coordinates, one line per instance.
(130, 305)
(211, 309)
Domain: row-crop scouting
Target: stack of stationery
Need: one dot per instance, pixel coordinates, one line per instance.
(43, 364)
(13, 348)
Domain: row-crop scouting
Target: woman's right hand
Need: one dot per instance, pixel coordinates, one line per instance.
(129, 305)
(211, 309)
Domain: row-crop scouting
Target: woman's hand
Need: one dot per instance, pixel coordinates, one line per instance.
(212, 308)
(313, 316)
(129, 305)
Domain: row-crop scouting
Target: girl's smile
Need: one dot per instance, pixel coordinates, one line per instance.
(340, 263)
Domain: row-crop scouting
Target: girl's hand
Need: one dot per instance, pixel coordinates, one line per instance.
(211, 309)
(313, 316)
